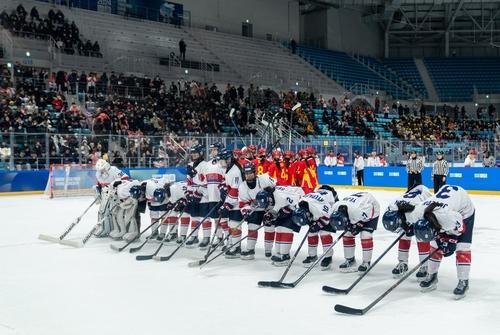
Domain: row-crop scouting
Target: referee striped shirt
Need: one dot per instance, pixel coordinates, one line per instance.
(440, 168)
(415, 165)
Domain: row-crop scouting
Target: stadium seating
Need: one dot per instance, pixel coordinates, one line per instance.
(482, 74)
(407, 70)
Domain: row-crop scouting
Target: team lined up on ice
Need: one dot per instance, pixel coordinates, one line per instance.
(228, 191)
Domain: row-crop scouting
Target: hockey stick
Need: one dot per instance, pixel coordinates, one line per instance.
(70, 227)
(139, 247)
(209, 251)
(195, 230)
(270, 283)
(204, 260)
(295, 283)
(228, 248)
(358, 311)
(329, 289)
(150, 256)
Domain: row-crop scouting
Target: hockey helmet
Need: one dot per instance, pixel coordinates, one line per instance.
(197, 148)
(302, 152)
(423, 230)
(262, 152)
(237, 152)
(264, 199)
(252, 148)
(216, 145)
(135, 191)
(225, 154)
(310, 151)
(392, 220)
(276, 154)
(159, 195)
(300, 217)
(339, 218)
(102, 166)
(289, 154)
(249, 168)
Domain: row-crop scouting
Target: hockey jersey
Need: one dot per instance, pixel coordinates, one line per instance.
(232, 182)
(261, 165)
(246, 195)
(151, 186)
(214, 176)
(306, 174)
(320, 205)
(414, 196)
(286, 198)
(123, 190)
(456, 207)
(279, 172)
(198, 183)
(177, 191)
(361, 207)
(104, 178)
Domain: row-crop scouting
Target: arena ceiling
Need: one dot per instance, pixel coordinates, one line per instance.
(427, 23)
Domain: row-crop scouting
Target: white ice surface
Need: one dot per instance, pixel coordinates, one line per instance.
(49, 289)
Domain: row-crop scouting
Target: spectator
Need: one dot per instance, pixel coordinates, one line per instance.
(470, 160)
(359, 167)
(330, 159)
(439, 171)
(340, 159)
(414, 167)
(382, 160)
(293, 45)
(182, 49)
(488, 160)
(373, 160)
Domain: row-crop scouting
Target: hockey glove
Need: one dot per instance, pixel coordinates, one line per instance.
(408, 228)
(447, 244)
(314, 228)
(245, 212)
(269, 219)
(222, 191)
(197, 197)
(180, 205)
(354, 228)
(169, 206)
(190, 170)
(116, 183)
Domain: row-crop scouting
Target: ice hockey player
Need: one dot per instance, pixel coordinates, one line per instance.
(126, 217)
(247, 191)
(106, 175)
(447, 221)
(197, 195)
(214, 176)
(358, 214)
(317, 207)
(397, 218)
(279, 206)
(278, 170)
(156, 197)
(261, 162)
(229, 193)
(306, 171)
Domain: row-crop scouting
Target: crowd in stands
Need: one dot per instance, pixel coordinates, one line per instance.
(66, 35)
(440, 128)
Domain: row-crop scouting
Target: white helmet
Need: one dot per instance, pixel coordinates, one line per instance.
(102, 165)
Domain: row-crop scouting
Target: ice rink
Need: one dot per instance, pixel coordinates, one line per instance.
(51, 289)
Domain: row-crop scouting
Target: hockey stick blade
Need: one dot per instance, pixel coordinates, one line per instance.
(275, 284)
(49, 238)
(329, 289)
(135, 249)
(349, 310)
(74, 244)
(143, 257)
(195, 264)
(115, 248)
(161, 258)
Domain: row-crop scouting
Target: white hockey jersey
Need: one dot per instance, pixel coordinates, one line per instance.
(321, 204)
(232, 181)
(104, 178)
(177, 191)
(123, 190)
(286, 198)
(214, 176)
(456, 207)
(414, 196)
(198, 183)
(361, 207)
(151, 186)
(246, 195)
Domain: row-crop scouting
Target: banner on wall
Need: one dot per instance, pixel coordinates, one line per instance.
(335, 175)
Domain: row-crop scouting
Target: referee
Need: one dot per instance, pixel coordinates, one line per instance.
(414, 167)
(439, 171)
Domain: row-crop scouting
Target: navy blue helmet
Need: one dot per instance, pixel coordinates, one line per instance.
(159, 195)
(217, 145)
(392, 220)
(264, 199)
(249, 168)
(225, 154)
(199, 148)
(339, 219)
(300, 217)
(423, 230)
(135, 191)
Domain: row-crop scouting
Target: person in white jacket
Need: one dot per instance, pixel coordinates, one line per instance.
(359, 167)
(330, 159)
